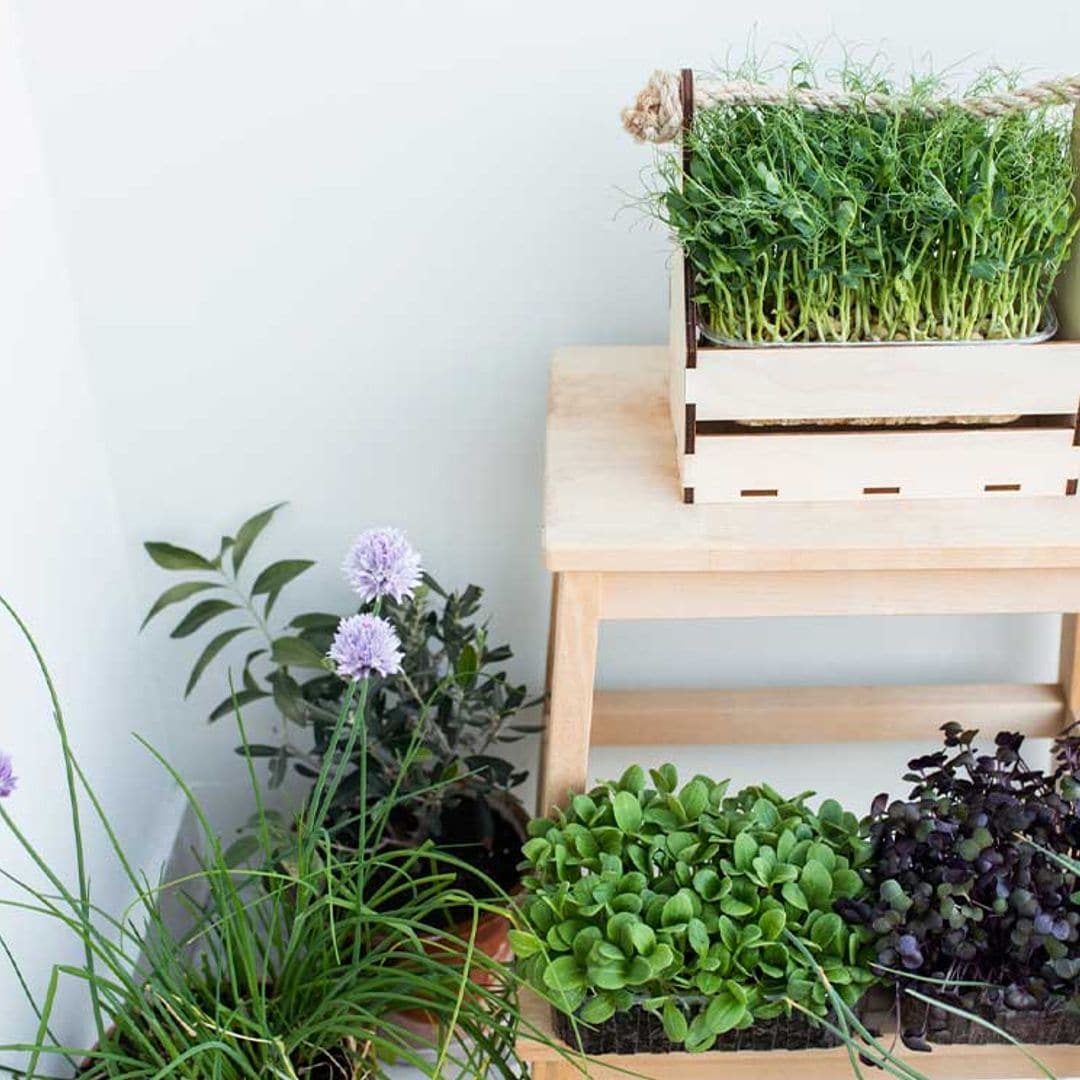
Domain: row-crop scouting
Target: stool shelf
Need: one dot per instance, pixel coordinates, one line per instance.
(621, 544)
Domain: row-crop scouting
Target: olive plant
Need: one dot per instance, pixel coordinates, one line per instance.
(453, 692)
(687, 901)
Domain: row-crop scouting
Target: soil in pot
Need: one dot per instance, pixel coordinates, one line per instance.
(1056, 1024)
(638, 1031)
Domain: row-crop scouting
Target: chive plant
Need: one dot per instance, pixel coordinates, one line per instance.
(860, 225)
(303, 963)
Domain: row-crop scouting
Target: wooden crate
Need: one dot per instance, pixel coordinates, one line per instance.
(783, 423)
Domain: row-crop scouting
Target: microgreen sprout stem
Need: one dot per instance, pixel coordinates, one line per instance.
(861, 225)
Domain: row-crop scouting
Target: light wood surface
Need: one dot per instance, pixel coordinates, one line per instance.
(573, 670)
(945, 1063)
(820, 714)
(1005, 464)
(893, 380)
(1069, 668)
(704, 595)
(612, 498)
(623, 546)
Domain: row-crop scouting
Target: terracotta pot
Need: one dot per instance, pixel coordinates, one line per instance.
(492, 936)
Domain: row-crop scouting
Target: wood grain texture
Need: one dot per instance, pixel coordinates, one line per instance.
(613, 498)
(739, 594)
(1069, 667)
(918, 465)
(573, 669)
(820, 714)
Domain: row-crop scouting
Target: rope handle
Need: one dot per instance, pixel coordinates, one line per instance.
(657, 114)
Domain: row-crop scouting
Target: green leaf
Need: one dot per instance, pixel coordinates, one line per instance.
(785, 845)
(846, 883)
(468, 663)
(633, 780)
(627, 809)
(707, 883)
(243, 697)
(248, 532)
(176, 594)
(675, 1026)
(816, 884)
(765, 814)
(723, 1013)
(279, 574)
(698, 1036)
(794, 896)
(250, 682)
(665, 778)
(826, 930)
(240, 850)
(745, 850)
(772, 923)
(737, 909)
(643, 938)
(216, 645)
(695, 799)
(523, 943)
(171, 557)
(564, 974)
(677, 910)
(201, 614)
(697, 936)
(597, 1009)
(296, 652)
(288, 697)
(316, 620)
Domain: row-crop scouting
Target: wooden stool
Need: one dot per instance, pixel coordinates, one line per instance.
(622, 545)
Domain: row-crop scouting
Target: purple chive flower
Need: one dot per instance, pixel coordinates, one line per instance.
(382, 562)
(363, 644)
(8, 780)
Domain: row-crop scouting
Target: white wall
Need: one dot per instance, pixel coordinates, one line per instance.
(323, 252)
(63, 565)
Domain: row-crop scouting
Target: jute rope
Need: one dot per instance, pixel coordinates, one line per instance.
(656, 115)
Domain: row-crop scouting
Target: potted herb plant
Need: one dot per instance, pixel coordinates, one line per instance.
(851, 210)
(450, 698)
(973, 902)
(671, 917)
(293, 966)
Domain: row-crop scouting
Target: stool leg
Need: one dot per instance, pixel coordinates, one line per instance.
(1069, 667)
(576, 617)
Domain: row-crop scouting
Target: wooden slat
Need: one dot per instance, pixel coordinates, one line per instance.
(889, 380)
(1069, 667)
(573, 669)
(613, 500)
(1014, 463)
(820, 714)
(686, 595)
(892, 380)
(944, 1063)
